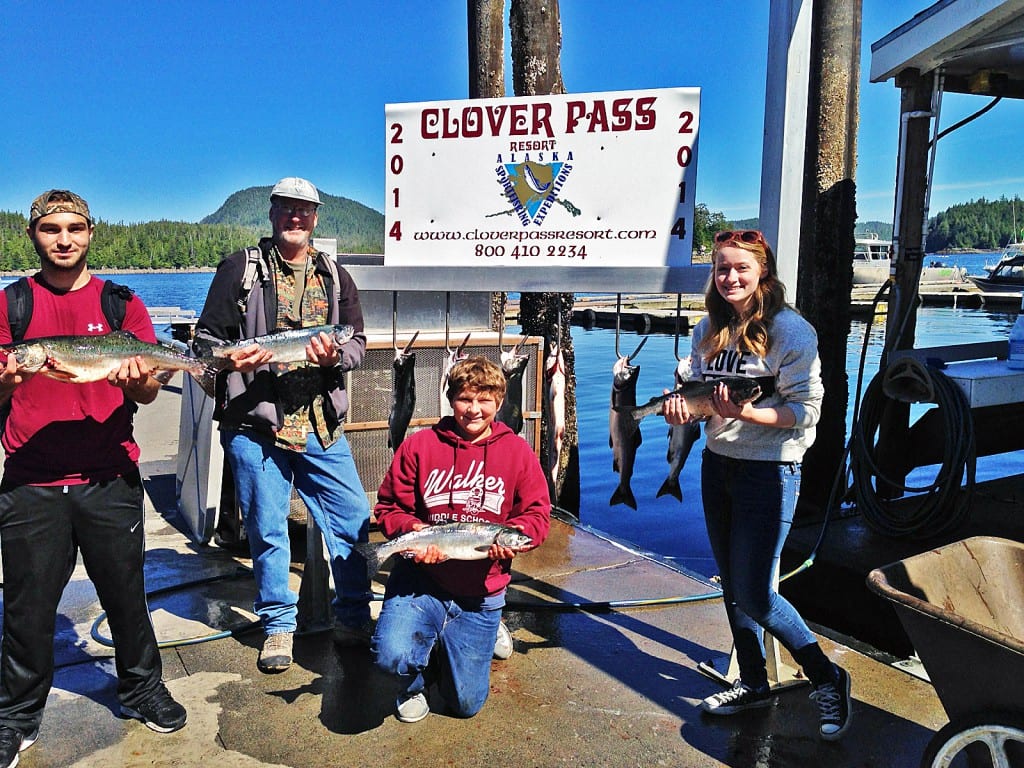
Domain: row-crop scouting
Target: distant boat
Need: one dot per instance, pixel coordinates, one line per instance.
(1007, 276)
(872, 263)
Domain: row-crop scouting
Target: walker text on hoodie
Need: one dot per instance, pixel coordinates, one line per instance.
(472, 489)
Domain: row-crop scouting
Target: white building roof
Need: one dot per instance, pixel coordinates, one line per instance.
(979, 44)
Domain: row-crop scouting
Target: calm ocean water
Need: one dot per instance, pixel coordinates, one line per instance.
(664, 526)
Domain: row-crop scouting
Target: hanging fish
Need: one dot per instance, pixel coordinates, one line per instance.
(681, 438)
(456, 355)
(513, 364)
(403, 393)
(554, 402)
(624, 436)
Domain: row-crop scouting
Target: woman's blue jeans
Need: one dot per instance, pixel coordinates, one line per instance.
(411, 624)
(328, 484)
(748, 509)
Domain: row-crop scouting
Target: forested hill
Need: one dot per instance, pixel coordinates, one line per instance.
(240, 221)
(980, 225)
(357, 228)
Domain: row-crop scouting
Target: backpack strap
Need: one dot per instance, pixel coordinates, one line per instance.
(255, 269)
(332, 268)
(114, 300)
(19, 307)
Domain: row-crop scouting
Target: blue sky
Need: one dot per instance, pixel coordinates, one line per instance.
(162, 110)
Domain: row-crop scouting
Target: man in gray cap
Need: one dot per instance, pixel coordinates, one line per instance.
(71, 483)
(281, 424)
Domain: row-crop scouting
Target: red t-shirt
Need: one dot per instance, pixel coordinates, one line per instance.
(68, 434)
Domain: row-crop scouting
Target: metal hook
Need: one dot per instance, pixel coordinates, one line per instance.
(394, 320)
(679, 309)
(447, 313)
(501, 322)
(618, 309)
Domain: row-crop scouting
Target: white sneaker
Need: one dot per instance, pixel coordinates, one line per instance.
(412, 709)
(503, 642)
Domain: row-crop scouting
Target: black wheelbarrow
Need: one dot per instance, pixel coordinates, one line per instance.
(962, 606)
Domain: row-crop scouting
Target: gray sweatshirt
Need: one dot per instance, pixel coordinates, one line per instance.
(793, 363)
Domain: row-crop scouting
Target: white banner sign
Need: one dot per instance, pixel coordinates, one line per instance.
(591, 179)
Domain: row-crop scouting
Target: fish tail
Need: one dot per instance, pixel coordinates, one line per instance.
(369, 553)
(206, 378)
(623, 494)
(670, 487)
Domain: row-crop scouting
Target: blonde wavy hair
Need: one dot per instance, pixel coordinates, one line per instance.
(748, 332)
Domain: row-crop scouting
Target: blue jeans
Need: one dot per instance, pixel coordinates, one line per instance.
(748, 509)
(412, 624)
(328, 484)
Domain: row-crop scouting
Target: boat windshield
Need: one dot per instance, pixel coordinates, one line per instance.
(1010, 269)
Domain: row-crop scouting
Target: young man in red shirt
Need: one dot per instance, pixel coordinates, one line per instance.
(71, 483)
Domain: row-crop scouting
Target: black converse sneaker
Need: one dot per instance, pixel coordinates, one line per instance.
(737, 699)
(834, 706)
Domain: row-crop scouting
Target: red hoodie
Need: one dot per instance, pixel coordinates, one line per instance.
(438, 477)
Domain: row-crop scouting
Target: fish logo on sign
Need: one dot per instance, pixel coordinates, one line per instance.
(532, 188)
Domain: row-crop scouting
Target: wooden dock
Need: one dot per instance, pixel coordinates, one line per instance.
(656, 313)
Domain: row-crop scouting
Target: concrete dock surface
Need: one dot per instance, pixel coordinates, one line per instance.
(586, 686)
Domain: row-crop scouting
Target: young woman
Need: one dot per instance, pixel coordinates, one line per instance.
(750, 470)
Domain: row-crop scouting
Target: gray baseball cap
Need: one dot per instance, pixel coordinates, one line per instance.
(295, 188)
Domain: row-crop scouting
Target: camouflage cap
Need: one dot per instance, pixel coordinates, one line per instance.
(58, 201)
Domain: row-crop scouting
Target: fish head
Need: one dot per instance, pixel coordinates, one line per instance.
(512, 362)
(684, 370)
(623, 372)
(743, 390)
(31, 357)
(513, 539)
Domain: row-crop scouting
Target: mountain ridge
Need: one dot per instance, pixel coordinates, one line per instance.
(357, 227)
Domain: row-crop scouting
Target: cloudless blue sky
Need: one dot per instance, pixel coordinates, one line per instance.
(162, 110)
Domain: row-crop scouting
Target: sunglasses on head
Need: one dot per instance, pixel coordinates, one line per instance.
(744, 235)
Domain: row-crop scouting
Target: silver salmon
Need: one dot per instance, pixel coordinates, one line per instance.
(624, 435)
(681, 438)
(403, 393)
(554, 405)
(742, 389)
(457, 541)
(456, 355)
(287, 346)
(82, 359)
(513, 365)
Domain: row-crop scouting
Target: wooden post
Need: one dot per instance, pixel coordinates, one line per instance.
(827, 229)
(908, 254)
(486, 24)
(536, 70)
